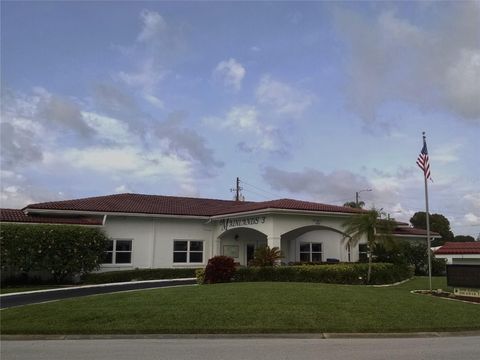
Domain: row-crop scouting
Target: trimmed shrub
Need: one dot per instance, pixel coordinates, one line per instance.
(59, 250)
(200, 275)
(219, 269)
(347, 273)
(137, 274)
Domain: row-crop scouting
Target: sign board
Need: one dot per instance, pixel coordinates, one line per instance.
(238, 222)
(467, 292)
(463, 276)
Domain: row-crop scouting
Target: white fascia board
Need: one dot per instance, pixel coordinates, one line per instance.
(458, 256)
(418, 236)
(110, 213)
(280, 211)
(45, 223)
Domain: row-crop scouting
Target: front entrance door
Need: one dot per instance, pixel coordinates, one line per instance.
(250, 252)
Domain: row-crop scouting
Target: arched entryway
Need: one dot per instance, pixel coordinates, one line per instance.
(314, 243)
(240, 243)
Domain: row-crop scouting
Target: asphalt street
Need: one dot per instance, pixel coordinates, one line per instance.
(460, 348)
(7, 301)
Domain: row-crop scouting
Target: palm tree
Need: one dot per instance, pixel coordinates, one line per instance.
(354, 205)
(266, 256)
(371, 226)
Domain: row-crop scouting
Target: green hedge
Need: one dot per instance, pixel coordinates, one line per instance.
(61, 251)
(138, 274)
(351, 273)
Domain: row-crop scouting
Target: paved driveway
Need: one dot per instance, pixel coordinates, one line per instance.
(33, 297)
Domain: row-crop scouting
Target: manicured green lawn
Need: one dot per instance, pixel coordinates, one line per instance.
(249, 308)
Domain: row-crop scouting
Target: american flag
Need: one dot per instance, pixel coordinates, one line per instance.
(422, 160)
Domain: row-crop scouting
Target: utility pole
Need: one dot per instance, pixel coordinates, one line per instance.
(356, 195)
(237, 189)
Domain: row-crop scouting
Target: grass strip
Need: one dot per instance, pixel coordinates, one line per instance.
(249, 308)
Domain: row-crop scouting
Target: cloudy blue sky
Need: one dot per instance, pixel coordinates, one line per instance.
(310, 101)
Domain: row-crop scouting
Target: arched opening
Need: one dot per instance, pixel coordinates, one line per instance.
(315, 243)
(240, 243)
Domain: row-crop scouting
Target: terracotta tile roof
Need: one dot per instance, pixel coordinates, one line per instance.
(18, 216)
(406, 230)
(459, 248)
(173, 205)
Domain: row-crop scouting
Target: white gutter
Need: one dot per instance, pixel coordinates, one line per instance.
(112, 213)
(281, 211)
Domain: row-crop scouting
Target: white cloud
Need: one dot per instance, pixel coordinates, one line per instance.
(123, 189)
(154, 26)
(446, 153)
(231, 73)
(472, 219)
(244, 122)
(282, 98)
(393, 59)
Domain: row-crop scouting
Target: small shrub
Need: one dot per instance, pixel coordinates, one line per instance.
(137, 274)
(266, 256)
(200, 275)
(219, 269)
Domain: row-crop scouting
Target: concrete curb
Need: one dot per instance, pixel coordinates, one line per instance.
(93, 286)
(243, 336)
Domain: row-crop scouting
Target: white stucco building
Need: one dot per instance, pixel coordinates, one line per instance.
(151, 231)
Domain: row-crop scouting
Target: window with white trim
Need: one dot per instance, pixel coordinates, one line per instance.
(119, 251)
(187, 251)
(310, 252)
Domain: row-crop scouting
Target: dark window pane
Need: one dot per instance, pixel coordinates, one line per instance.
(124, 245)
(305, 247)
(123, 258)
(110, 245)
(180, 257)
(108, 258)
(316, 247)
(180, 245)
(196, 257)
(196, 245)
(305, 257)
(316, 257)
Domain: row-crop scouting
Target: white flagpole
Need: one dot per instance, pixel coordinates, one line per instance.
(427, 215)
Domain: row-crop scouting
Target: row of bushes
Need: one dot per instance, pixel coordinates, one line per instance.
(346, 273)
(137, 274)
(353, 274)
(60, 251)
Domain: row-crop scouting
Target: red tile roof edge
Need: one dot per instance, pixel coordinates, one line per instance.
(18, 216)
(465, 248)
(187, 206)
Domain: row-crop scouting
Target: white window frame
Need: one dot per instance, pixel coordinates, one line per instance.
(114, 254)
(310, 252)
(188, 251)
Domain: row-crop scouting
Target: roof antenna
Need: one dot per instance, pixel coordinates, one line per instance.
(238, 188)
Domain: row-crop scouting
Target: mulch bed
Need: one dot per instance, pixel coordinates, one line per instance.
(448, 295)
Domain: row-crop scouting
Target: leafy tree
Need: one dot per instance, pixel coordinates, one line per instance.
(266, 256)
(354, 205)
(438, 223)
(373, 228)
(463, 238)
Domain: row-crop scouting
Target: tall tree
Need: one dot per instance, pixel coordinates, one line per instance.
(438, 223)
(373, 228)
(463, 238)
